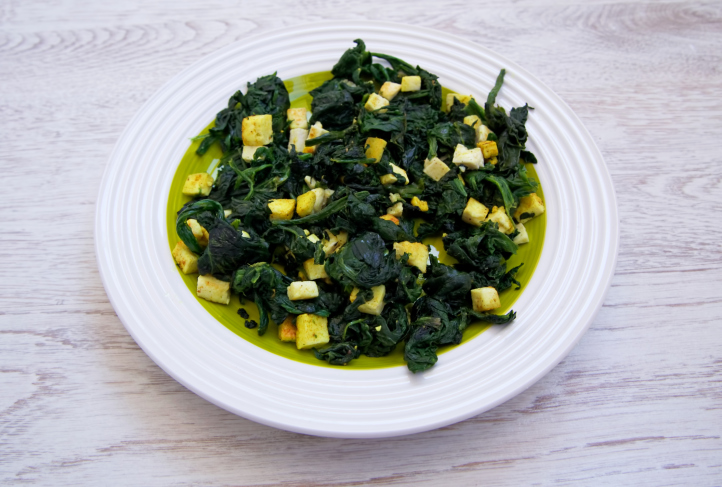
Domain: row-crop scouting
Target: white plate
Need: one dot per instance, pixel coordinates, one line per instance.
(555, 309)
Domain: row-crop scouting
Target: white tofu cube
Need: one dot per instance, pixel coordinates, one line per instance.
(199, 184)
(498, 215)
(485, 299)
(299, 290)
(212, 289)
(375, 102)
(200, 233)
(314, 271)
(249, 151)
(410, 83)
(297, 138)
(376, 305)
(322, 196)
(472, 121)
(257, 130)
(298, 118)
(389, 90)
(523, 237)
(470, 158)
(474, 213)
(316, 130)
(418, 254)
(482, 133)
(465, 99)
(334, 242)
(435, 168)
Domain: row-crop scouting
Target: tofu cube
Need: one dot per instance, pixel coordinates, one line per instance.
(435, 168)
(314, 271)
(390, 218)
(311, 331)
(257, 130)
(488, 148)
(199, 184)
(305, 203)
(376, 305)
(214, 290)
(418, 254)
(299, 290)
(523, 236)
(485, 299)
(387, 179)
(397, 210)
(375, 102)
(316, 130)
(281, 209)
(200, 233)
(375, 148)
(297, 138)
(287, 330)
(482, 133)
(472, 121)
(410, 83)
(465, 99)
(469, 158)
(322, 196)
(420, 204)
(389, 90)
(474, 213)
(335, 242)
(498, 215)
(248, 152)
(297, 117)
(529, 207)
(186, 260)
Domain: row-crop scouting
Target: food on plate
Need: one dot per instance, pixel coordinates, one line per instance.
(322, 217)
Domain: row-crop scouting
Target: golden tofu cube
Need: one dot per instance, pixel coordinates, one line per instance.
(287, 330)
(493, 161)
(375, 148)
(186, 260)
(474, 213)
(297, 138)
(281, 209)
(435, 168)
(523, 236)
(376, 305)
(420, 204)
(397, 210)
(248, 152)
(410, 83)
(200, 233)
(305, 203)
(199, 184)
(375, 102)
(387, 179)
(334, 242)
(314, 271)
(389, 90)
(465, 99)
(472, 120)
(212, 289)
(298, 118)
(316, 130)
(311, 331)
(529, 207)
(482, 133)
(390, 218)
(418, 254)
(498, 215)
(470, 158)
(299, 290)
(485, 299)
(257, 130)
(488, 149)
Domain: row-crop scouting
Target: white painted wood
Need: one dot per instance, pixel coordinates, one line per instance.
(637, 402)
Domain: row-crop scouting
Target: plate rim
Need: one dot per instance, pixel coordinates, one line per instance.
(116, 298)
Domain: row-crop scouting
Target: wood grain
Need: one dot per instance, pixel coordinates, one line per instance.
(637, 402)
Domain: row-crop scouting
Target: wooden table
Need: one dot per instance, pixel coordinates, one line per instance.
(637, 402)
